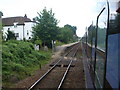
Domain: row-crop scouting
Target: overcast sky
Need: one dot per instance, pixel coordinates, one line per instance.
(78, 13)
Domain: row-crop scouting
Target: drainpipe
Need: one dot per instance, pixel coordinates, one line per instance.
(23, 32)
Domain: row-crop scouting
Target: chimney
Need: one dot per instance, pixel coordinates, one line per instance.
(25, 16)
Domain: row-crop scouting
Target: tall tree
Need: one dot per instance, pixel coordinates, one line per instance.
(46, 28)
(73, 28)
(1, 14)
(66, 35)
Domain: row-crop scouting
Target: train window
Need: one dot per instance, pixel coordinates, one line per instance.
(114, 23)
(101, 46)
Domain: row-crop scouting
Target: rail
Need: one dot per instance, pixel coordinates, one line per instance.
(34, 84)
(66, 72)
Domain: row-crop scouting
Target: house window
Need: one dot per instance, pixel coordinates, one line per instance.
(27, 32)
(29, 38)
(16, 34)
(15, 24)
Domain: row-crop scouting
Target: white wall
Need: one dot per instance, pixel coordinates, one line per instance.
(19, 29)
(28, 29)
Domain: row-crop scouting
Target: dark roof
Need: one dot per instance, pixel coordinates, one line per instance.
(11, 20)
(118, 10)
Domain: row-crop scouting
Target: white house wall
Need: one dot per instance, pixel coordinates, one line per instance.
(28, 29)
(19, 29)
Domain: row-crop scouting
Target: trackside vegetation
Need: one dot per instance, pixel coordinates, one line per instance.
(19, 60)
(47, 29)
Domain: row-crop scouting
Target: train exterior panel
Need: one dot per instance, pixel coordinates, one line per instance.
(102, 45)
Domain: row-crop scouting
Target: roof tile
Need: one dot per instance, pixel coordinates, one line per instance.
(11, 20)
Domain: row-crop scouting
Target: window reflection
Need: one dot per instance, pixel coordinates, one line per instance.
(101, 45)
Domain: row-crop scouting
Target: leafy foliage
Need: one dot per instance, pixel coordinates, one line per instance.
(10, 35)
(20, 59)
(73, 28)
(58, 43)
(1, 14)
(91, 33)
(101, 36)
(67, 34)
(46, 28)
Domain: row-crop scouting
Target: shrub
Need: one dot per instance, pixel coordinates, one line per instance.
(19, 57)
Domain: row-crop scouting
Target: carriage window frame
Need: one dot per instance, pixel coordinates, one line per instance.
(104, 66)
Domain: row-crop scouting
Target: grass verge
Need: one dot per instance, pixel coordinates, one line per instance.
(20, 60)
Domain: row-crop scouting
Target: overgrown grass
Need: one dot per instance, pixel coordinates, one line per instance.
(19, 60)
(58, 43)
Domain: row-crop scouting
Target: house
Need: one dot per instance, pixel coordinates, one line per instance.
(21, 26)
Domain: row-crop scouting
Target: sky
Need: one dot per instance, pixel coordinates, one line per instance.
(79, 13)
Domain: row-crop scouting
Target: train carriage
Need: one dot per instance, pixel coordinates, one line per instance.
(102, 45)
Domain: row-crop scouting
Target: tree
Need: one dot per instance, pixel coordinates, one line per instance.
(1, 14)
(73, 28)
(10, 35)
(91, 32)
(66, 35)
(46, 28)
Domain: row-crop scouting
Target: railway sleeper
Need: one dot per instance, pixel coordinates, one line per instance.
(62, 65)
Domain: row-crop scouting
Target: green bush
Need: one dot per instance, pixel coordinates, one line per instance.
(20, 58)
(58, 43)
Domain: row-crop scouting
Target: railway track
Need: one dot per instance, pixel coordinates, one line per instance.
(58, 71)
